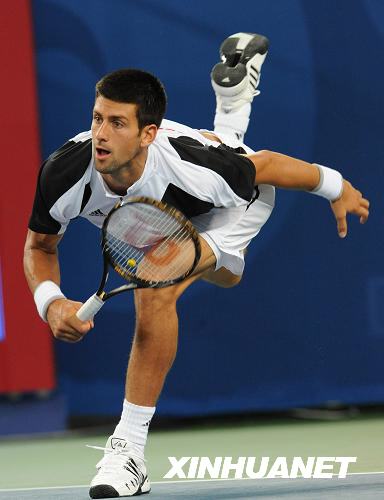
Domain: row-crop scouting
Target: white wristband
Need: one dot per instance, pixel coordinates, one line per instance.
(330, 185)
(45, 293)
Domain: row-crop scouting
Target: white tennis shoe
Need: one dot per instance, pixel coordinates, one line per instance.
(236, 78)
(121, 472)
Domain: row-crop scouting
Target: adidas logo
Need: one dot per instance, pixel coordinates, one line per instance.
(97, 212)
(118, 443)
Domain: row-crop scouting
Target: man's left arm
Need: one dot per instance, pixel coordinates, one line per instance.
(290, 173)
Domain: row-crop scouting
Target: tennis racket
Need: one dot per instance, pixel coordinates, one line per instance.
(149, 243)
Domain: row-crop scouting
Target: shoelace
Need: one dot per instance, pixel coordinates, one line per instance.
(115, 458)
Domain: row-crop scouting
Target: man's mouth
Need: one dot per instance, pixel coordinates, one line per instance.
(102, 153)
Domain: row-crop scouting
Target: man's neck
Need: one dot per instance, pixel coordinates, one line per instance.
(124, 178)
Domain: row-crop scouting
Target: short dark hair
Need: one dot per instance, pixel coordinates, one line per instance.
(135, 86)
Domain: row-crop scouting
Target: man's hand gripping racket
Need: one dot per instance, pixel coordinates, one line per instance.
(150, 244)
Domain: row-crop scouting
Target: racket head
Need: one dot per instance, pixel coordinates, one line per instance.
(150, 243)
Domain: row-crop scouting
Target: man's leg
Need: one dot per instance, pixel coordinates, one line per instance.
(155, 343)
(235, 81)
(122, 470)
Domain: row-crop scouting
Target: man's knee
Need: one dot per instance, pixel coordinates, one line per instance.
(222, 277)
(156, 315)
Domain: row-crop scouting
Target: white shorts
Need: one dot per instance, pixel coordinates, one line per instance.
(229, 242)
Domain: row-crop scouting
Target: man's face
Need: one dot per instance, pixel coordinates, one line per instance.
(115, 134)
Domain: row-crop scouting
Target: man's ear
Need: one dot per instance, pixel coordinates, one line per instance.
(148, 134)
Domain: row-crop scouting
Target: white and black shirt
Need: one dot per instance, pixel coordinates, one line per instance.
(209, 182)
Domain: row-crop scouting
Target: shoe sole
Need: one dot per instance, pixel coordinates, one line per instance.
(226, 76)
(107, 491)
(259, 44)
(231, 72)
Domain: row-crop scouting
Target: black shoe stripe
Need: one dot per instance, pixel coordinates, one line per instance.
(138, 474)
(131, 467)
(140, 491)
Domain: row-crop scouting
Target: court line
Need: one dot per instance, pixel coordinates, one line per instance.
(183, 481)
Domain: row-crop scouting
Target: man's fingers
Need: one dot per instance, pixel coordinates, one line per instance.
(68, 337)
(78, 325)
(364, 214)
(351, 202)
(64, 323)
(340, 214)
(65, 328)
(82, 326)
(341, 218)
(364, 210)
(72, 329)
(363, 219)
(342, 226)
(364, 203)
(66, 333)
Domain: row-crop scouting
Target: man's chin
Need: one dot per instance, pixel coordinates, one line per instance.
(103, 167)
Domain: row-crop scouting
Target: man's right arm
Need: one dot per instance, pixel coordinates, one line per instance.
(41, 265)
(286, 172)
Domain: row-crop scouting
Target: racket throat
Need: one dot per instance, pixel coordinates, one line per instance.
(120, 289)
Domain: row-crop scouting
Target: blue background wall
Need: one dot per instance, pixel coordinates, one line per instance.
(306, 325)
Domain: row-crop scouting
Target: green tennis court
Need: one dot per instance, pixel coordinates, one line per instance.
(45, 464)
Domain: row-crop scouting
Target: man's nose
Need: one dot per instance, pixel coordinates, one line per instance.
(102, 132)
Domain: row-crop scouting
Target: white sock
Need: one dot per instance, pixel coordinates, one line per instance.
(134, 424)
(234, 123)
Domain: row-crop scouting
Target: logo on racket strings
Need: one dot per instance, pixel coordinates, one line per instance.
(163, 253)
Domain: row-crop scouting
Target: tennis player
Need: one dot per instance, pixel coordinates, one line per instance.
(224, 187)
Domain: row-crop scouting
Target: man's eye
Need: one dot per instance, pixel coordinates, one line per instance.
(97, 119)
(117, 124)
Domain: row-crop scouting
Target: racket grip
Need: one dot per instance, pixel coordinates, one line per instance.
(89, 308)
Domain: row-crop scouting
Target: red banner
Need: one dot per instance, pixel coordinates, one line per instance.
(26, 360)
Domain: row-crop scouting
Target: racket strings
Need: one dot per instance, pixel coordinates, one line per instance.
(119, 248)
(119, 243)
(181, 250)
(137, 236)
(161, 263)
(119, 239)
(134, 234)
(149, 243)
